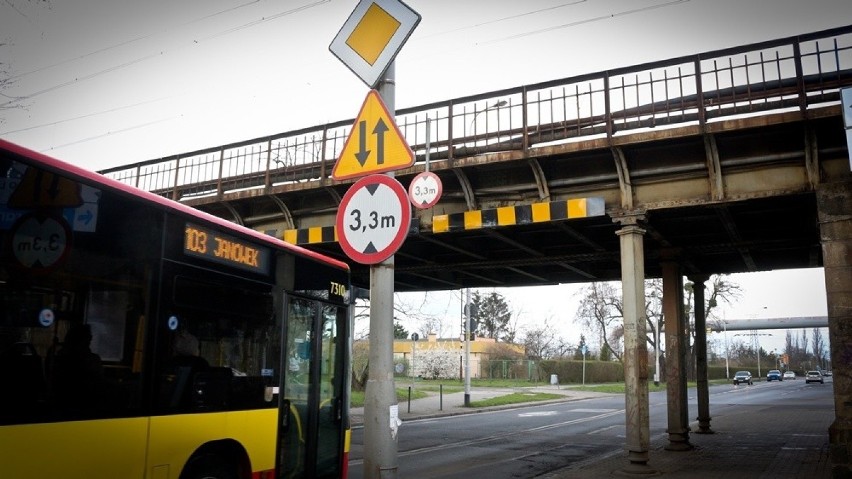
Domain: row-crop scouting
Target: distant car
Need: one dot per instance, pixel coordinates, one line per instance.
(742, 377)
(814, 377)
(826, 372)
(789, 375)
(774, 375)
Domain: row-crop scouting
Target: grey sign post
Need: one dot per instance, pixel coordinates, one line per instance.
(368, 43)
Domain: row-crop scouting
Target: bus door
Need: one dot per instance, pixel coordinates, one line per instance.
(312, 427)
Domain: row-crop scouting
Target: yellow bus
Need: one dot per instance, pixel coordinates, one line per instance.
(140, 338)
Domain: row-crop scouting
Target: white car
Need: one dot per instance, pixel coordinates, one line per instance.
(789, 375)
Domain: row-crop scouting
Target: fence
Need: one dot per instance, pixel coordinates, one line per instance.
(795, 73)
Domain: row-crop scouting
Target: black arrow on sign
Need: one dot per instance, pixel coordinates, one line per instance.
(379, 131)
(363, 153)
(370, 249)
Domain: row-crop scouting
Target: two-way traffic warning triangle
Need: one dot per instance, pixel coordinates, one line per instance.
(375, 144)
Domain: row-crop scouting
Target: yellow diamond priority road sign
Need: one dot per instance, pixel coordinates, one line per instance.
(375, 144)
(372, 36)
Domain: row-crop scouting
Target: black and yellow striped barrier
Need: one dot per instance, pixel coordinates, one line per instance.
(317, 234)
(518, 215)
(470, 220)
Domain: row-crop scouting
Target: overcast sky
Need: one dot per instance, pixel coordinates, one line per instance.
(103, 83)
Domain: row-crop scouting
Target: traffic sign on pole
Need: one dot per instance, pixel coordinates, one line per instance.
(425, 190)
(372, 36)
(374, 145)
(373, 219)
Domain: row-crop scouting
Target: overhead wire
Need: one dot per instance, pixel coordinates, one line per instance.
(159, 53)
(585, 21)
(113, 68)
(130, 41)
(274, 17)
(503, 19)
(108, 133)
(87, 115)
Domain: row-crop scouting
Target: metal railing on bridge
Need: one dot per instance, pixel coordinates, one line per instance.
(795, 73)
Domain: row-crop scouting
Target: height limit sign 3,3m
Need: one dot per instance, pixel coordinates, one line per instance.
(373, 219)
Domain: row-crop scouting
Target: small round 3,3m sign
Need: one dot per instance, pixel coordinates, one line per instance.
(373, 219)
(425, 190)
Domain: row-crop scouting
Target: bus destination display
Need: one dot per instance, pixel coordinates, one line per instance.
(204, 243)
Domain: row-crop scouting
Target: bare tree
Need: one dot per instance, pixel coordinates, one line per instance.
(424, 322)
(601, 313)
(654, 311)
(540, 341)
(601, 310)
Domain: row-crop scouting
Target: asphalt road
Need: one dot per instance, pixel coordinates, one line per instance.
(532, 441)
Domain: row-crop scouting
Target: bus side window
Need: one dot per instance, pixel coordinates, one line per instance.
(24, 386)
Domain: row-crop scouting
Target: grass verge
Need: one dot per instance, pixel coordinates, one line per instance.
(357, 397)
(618, 388)
(515, 398)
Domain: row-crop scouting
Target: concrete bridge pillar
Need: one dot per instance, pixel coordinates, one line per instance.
(701, 354)
(676, 344)
(635, 347)
(834, 206)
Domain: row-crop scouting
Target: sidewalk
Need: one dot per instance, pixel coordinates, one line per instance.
(757, 444)
(451, 404)
(753, 444)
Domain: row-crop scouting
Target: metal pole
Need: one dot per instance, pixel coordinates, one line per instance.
(727, 368)
(757, 342)
(381, 411)
(428, 135)
(467, 320)
(657, 354)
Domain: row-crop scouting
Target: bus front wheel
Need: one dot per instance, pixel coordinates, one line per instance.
(210, 467)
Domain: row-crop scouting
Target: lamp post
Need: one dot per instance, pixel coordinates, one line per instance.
(757, 341)
(467, 321)
(727, 368)
(496, 105)
(657, 354)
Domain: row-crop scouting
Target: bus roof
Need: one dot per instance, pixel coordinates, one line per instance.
(82, 173)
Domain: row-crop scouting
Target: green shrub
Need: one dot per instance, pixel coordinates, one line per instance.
(571, 371)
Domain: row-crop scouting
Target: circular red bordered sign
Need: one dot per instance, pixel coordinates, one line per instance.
(425, 190)
(40, 242)
(373, 219)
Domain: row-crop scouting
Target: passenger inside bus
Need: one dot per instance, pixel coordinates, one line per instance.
(187, 352)
(77, 374)
(181, 371)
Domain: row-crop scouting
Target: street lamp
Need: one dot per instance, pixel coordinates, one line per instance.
(499, 104)
(727, 368)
